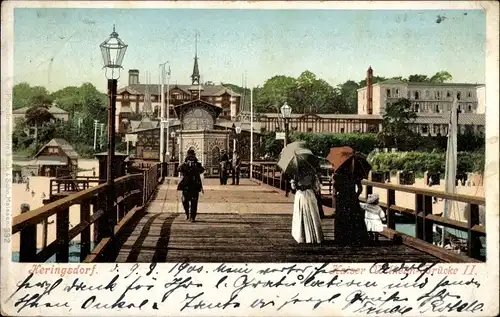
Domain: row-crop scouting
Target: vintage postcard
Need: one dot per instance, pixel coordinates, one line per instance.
(258, 158)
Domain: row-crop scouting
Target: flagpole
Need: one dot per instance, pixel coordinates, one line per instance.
(168, 109)
(251, 133)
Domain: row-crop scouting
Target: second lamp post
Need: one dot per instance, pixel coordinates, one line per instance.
(286, 112)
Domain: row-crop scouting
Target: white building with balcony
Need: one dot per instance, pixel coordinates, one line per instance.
(431, 101)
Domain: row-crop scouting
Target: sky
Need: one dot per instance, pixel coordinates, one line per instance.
(336, 45)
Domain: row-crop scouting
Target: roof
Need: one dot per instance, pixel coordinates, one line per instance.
(52, 109)
(341, 116)
(64, 145)
(208, 90)
(413, 84)
(51, 160)
(463, 118)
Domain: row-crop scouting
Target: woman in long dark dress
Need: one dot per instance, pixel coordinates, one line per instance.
(350, 227)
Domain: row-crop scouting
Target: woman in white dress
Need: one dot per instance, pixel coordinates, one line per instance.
(374, 215)
(306, 222)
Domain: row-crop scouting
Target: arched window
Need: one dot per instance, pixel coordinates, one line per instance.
(215, 155)
(417, 96)
(458, 95)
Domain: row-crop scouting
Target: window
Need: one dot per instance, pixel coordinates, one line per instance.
(459, 109)
(341, 130)
(438, 95)
(417, 95)
(437, 109)
(425, 129)
(427, 93)
(417, 107)
(448, 94)
(470, 108)
(388, 92)
(397, 92)
(436, 129)
(469, 95)
(458, 95)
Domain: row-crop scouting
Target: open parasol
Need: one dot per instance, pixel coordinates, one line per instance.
(338, 155)
(345, 159)
(295, 156)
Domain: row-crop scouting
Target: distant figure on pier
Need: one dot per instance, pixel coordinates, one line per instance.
(27, 181)
(93, 171)
(374, 216)
(33, 193)
(224, 162)
(191, 184)
(236, 167)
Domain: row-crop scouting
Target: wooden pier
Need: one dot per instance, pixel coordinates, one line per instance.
(246, 223)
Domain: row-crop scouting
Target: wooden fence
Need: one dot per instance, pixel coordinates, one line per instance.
(129, 194)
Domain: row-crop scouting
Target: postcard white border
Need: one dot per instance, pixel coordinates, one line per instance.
(8, 269)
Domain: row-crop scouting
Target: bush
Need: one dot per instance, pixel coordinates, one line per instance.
(321, 143)
(420, 162)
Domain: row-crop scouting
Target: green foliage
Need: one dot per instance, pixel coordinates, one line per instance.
(439, 77)
(23, 93)
(321, 143)
(419, 162)
(270, 146)
(395, 122)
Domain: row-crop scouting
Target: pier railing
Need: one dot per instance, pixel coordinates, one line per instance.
(422, 215)
(67, 184)
(130, 193)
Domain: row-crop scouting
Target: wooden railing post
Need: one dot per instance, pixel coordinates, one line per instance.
(419, 202)
(391, 200)
(473, 241)
(27, 246)
(85, 235)
(369, 191)
(62, 229)
(427, 225)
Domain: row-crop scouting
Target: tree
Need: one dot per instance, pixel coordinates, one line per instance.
(310, 94)
(441, 77)
(275, 92)
(39, 113)
(23, 93)
(396, 120)
(418, 78)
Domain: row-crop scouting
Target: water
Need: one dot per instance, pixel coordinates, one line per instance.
(74, 253)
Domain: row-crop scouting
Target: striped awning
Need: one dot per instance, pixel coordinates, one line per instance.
(51, 160)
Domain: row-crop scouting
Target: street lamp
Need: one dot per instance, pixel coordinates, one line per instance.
(286, 112)
(113, 50)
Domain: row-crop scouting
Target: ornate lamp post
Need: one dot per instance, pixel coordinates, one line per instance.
(112, 50)
(286, 112)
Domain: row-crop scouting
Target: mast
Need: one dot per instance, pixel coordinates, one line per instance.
(451, 167)
(251, 132)
(162, 113)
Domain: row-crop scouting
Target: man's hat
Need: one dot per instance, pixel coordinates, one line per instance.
(190, 152)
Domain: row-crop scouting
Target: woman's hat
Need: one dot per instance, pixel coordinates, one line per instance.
(372, 198)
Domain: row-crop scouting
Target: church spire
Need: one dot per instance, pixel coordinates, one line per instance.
(195, 77)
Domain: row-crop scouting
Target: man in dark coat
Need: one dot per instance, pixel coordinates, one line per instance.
(236, 168)
(191, 184)
(224, 160)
